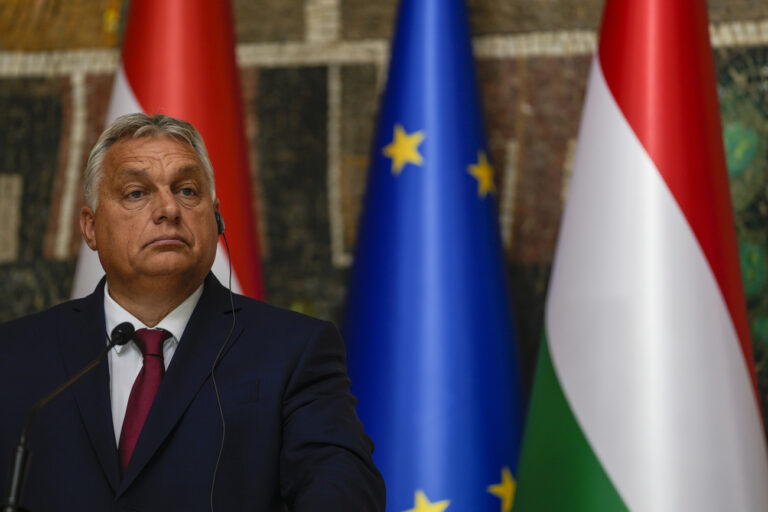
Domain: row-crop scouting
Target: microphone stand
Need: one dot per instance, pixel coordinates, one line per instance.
(20, 457)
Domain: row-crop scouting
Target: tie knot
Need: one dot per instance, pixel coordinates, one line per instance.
(150, 341)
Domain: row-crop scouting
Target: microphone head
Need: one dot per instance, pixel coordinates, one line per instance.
(122, 334)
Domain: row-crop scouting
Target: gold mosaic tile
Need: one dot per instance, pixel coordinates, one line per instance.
(59, 24)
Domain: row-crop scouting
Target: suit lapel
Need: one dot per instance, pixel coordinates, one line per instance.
(189, 369)
(79, 344)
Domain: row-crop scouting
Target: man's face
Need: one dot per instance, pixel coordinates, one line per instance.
(155, 213)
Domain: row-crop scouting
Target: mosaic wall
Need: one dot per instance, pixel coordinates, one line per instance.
(743, 90)
(311, 73)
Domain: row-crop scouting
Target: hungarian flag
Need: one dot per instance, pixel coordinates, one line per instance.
(178, 59)
(644, 396)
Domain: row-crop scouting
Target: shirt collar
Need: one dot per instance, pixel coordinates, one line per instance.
(174, 322)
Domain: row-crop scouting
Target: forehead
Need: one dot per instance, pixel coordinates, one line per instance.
(147, 153)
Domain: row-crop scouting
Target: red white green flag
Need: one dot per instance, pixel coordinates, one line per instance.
(645, 395)
(178, 59)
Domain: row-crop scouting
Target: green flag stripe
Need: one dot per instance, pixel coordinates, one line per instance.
(557, 468)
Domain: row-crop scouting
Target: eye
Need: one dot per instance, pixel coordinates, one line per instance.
(187, 192)
(135, 194)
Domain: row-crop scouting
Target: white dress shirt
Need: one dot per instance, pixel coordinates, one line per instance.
(125, 361)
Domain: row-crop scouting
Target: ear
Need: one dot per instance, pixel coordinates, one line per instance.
(88, 226)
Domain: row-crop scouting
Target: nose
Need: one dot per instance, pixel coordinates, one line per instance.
(166, 208)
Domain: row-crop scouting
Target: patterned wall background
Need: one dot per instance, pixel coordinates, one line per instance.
(311, 73)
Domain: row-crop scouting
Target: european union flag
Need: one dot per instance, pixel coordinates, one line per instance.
(428, 322)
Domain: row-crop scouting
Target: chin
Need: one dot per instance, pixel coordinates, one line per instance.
(170, 266)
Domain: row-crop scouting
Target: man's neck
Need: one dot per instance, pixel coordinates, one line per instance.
(151, 304)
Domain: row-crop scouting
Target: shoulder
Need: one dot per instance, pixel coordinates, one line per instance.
(281, 334)
(45, 320)
(282, 323)
(59, 318)
(36, 332)
(254, 313)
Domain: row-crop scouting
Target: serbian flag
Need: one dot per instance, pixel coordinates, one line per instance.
(644, 395)
(178, 59)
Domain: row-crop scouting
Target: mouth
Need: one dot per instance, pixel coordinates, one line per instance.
(167, 241)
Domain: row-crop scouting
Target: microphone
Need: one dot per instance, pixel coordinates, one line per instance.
(121, 335)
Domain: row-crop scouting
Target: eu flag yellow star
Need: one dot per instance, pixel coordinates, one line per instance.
(504, 490)
(404, 149)
(422, 504)
(483, 172)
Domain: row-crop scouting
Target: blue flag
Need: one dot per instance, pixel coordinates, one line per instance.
(428, 322)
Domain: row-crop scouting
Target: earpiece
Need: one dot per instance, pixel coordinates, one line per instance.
(220, 226)
(219, 222)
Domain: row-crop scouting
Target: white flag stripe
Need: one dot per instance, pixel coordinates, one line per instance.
(123, 100)
(641, 337)
(89, 271)
(221, 269)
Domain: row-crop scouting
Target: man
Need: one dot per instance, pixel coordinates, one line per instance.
(144, 431)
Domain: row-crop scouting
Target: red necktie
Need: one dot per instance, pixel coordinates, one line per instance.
(150, 342)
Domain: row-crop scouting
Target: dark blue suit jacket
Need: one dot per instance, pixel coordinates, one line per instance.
(293, 440)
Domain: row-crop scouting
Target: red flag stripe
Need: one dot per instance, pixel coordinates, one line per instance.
(179, 59)
(669, 99)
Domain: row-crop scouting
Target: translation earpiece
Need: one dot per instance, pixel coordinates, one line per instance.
(219, 222)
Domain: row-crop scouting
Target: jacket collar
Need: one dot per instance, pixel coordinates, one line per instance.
(79, 344)
(189, 369)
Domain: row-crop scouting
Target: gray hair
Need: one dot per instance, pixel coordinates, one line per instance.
(135, 126)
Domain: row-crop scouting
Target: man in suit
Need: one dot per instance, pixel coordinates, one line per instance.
(273, 427)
